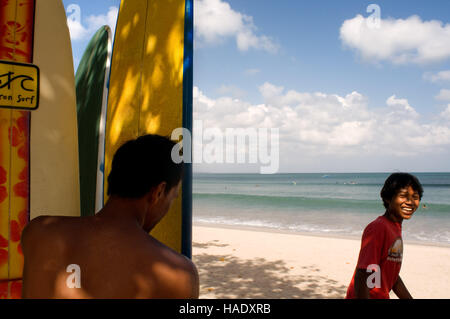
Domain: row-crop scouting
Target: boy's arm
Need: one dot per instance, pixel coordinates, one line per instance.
(369, 254)
(361, 288)
(400, 290)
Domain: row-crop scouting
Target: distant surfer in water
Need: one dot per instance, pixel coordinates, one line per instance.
(380, 257)
(111, 254)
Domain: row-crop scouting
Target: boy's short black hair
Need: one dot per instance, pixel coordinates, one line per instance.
(395, 183)
(141, 164)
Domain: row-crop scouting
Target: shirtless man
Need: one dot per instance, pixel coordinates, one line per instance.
(116, 256)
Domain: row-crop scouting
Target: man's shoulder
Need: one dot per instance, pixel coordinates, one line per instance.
(36, 225)
(48, 221)
(165, 253)
(174, 271)
(43, 227)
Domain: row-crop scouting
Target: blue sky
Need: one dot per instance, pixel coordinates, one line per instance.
(346, 93)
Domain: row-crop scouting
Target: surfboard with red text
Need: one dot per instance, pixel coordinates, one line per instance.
(38, 147)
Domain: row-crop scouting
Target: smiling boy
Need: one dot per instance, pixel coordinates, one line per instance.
(382, 244)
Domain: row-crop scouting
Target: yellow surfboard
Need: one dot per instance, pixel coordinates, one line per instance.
(151, 92)
(38, 148)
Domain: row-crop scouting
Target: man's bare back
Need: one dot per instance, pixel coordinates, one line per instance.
(111, 254)
(115, 260)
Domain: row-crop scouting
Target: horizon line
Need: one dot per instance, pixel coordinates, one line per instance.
(350, 172)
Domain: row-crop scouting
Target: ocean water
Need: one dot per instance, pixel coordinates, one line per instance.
(334, 204)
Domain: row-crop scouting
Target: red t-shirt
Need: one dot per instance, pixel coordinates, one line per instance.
(381, 245)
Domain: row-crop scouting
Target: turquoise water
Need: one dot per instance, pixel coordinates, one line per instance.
(333, 203)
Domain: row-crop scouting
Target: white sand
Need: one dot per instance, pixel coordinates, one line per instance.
(243, 263)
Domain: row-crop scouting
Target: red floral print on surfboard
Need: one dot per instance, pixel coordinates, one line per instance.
(16, 36)
(11, 289)
(16, 44)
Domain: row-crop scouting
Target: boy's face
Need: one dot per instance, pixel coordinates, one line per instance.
(404, 204)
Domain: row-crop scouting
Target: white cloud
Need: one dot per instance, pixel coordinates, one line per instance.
(269, 90)
(446, 113)
(400, 107)
(399, 41)
(444, 95)
(215, 20)
(84, 29)
(438, 77)
(321, 124)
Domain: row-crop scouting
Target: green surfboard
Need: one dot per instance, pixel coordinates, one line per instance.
(91, 81)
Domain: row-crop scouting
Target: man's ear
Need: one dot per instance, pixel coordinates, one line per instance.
(156, 193)
(160, 190)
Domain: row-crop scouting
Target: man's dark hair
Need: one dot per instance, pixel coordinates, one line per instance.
(141, 164)
(395, 183)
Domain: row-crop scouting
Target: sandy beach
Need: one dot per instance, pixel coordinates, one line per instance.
(252, 263)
